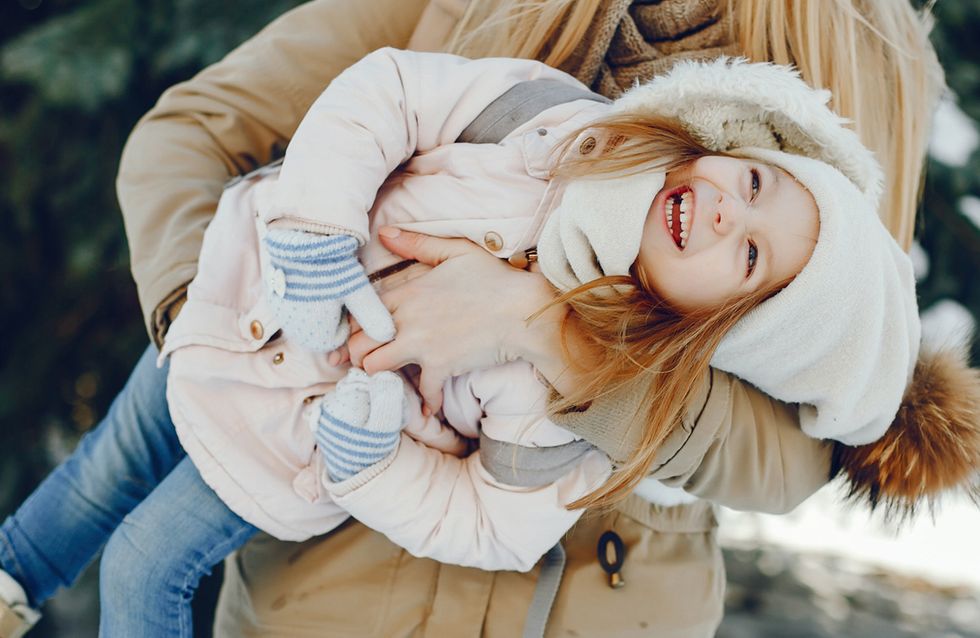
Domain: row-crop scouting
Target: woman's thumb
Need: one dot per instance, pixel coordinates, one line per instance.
(424, 248)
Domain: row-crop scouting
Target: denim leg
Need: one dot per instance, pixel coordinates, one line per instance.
(50, 539)
(153, 562)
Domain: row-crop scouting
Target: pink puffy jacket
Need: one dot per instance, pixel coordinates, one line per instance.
(378, 148)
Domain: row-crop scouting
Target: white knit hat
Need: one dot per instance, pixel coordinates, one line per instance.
(843, 337)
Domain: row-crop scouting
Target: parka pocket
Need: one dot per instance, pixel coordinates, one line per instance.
(673, 576)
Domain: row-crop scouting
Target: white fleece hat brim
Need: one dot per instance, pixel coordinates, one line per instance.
(843, 337)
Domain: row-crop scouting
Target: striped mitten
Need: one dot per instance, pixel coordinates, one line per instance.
(313, 278)
(360, 422)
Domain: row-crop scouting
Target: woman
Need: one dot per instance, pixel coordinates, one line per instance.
(604, 616)
(731, 446)
(684, 573)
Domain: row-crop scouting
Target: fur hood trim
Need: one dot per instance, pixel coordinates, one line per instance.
(932, 447)
(730, 103)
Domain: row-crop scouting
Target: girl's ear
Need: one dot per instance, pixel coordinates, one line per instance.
(932, 446)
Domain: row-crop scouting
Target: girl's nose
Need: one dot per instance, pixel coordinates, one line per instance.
(725, 214)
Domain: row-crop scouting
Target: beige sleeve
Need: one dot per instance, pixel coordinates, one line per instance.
(230, 118)
(742, 449)
(735, 447)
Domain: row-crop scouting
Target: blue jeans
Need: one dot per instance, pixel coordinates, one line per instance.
(128, 483)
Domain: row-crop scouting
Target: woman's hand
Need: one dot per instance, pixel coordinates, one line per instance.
(470, 311)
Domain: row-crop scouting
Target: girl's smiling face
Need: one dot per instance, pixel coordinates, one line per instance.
(722, 227)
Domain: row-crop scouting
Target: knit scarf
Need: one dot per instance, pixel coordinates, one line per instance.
(632, 40)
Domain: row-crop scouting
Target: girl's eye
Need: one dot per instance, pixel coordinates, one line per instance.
(756, 184)
(753, 256)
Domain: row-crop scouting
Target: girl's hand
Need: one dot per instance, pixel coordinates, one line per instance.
(470, 311)
(314, 278)
(359, 422)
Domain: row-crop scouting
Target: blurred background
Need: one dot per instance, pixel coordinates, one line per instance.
(75, 77)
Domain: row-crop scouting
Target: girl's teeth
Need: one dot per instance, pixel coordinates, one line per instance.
(685, 216)
(684, 205)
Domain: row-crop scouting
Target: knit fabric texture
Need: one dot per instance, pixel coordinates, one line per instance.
(597, 229)
(629, 41)
(360, 422)
(312, 279)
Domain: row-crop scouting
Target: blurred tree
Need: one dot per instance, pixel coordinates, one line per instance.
(74, 80)
(951, 240)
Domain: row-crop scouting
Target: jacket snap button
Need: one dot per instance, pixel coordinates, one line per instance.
(587, 146)
(257, 330)
(493, 241)
(279, 358)
(542, 132)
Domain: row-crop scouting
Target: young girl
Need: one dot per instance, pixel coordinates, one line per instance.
(660, 246)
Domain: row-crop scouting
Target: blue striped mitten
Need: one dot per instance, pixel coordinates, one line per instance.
(313, 278)
(360, 422)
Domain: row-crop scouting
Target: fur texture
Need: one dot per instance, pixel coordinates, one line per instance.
(932, 447)
(730, 103)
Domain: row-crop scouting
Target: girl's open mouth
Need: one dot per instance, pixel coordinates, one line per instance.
(679, 209)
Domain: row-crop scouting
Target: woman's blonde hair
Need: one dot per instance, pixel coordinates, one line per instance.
(623, 330)
(546, 30)
(873, 55)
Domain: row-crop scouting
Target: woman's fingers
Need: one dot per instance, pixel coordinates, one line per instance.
(424, 248)
(359, 346)
(468, 311)
(338, 356)
(430, 387)
(389, 356)
(385, 356)
(354, 326)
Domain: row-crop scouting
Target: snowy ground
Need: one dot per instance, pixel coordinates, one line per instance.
(944, 551)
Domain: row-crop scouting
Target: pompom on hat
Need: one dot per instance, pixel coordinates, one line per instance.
(843, 337)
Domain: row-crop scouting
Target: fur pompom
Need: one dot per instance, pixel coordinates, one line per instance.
(933, 445)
